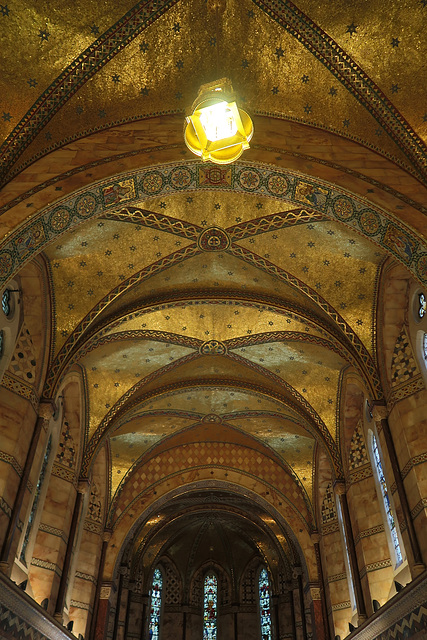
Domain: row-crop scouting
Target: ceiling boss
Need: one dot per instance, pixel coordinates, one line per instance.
(216, 129)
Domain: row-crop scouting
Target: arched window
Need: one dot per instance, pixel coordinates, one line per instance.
(210, 602)
(264, 604)
(156, 604)
(378, 467)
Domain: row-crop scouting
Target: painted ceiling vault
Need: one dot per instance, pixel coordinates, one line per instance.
(235, 298)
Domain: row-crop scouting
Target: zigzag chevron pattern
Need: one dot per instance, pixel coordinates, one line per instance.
(408, 626)
(15, 628)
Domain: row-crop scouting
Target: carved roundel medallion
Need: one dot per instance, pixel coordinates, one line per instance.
(213, 348)
(213, 239)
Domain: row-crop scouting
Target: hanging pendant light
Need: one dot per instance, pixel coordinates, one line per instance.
(216, 129)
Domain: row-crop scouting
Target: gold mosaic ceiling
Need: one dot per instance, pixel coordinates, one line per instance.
(69, 71)
(214, 334)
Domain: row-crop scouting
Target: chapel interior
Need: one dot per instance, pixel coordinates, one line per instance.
(213, 376)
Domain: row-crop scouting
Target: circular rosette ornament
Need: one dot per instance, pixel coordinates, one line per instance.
(216, 129)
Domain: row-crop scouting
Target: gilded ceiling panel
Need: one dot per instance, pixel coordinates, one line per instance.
(312, 370)
(338, 263)
(216, 208)
(40, 38)
(114, 368)
(88, 263)
(220, 321)
(213, 272)
(209, 400)
(388, 41)
(160, 70)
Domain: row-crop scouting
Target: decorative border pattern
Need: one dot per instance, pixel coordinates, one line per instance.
(44, 564)
(63, 473)
(85, 576)
(244, 177)
(413, 462)
(368, 532)
(360, 474)
(9, 459)
(419, 507)
(341, 605)
(93, 527)
(408, 389)
(20, 388)
(337, 577)
(330, 528)
(375, 566)
(53, 531)
(80, 605)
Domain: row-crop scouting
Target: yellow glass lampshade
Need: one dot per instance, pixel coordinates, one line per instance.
(217, 130)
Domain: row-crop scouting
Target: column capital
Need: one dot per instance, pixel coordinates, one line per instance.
(46, 409)
(315, 537)
(83, 485)
(297, 571)
(379, 412)
(106, 535)
(339, 487)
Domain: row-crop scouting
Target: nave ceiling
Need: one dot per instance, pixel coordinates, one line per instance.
(187, 295)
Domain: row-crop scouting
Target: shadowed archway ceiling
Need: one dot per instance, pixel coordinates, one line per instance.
(228, 305)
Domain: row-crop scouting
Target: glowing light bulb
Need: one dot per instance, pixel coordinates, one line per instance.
(218, 121)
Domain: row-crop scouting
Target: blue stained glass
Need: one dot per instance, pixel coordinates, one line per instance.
(264, 605)
(386, 499)
(156, 605)
(5, 302)
(35, 501)
(210, 607)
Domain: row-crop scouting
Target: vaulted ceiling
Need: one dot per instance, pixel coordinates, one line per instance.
(187, 294)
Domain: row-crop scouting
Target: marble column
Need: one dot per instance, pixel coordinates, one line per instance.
(105, 540)
(276, 616)
(128, 607)
(45, 413)
(292, 608)
(298, 576)
(62, 591)
(122, 574)
(340, 491)
(380, 414)
(144, 617)
(315, 538)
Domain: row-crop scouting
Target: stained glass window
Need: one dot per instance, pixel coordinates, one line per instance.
(156, 605)
(389, 513)
(5, 302)
(35, 501)
(423, 305)
(1, 342)
(210, 601)
(425, 346)
(264, 605)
